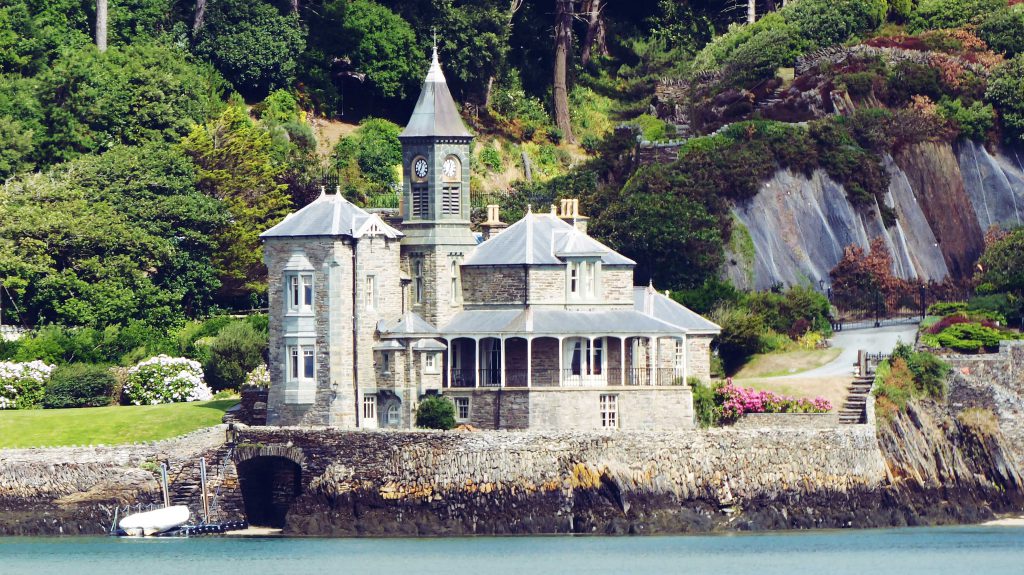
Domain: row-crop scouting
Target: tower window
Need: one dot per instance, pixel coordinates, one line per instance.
(418, 279)
(371, 292)
(574, 278)
(420, 201)
(450, 200)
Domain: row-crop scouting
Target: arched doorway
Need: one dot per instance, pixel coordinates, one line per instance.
(269, 485)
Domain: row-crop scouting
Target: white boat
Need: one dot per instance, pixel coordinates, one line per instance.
(155, 521)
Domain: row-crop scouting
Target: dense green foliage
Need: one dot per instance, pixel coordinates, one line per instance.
(1001, 267)
(908, 375)
(435, 412)
(1003, 30)
(252, 43)
(1006, 91)
(238, 348)
(935, 14)
(79, 385)
(369, 158)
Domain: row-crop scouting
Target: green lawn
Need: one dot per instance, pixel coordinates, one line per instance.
(107, 425)
(786, 363)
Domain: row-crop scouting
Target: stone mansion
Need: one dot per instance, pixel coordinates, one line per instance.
(538, 326)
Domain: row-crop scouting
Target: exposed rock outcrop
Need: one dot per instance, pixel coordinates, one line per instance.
(945, 198)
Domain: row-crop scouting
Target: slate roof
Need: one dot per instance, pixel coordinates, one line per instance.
(435, 113)
(555, 322)
(541, 239)
(410, 324)
(331, 215)
(649, 301)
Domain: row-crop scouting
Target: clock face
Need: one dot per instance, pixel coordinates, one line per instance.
(449, 168)
(420, 168)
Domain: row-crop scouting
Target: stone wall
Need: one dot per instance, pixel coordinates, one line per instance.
(698, 356)
(483, 285)
(668, 409)
(995, 382)
(787, 420)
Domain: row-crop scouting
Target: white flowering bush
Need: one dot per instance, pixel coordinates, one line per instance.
(164, 379)
(22, 385)
(258, 377)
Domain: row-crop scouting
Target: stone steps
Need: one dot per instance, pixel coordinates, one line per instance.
(853, 409)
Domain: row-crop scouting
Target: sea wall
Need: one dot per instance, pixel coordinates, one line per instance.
(925, 466)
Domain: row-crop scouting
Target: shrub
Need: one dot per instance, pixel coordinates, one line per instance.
(894, 387)
(740, 337)
(22, 385)
(970, 337)
(935, 14)
(945, 308)
(435, 412)
(258, 377)
(79, 385)
(1006, 91)
(491, 158)
(1003, 30)
(705, 406)
(711, 294)
(164, 379)
(973, 122)
(237, 350)
(736, 401)
(1007, 305)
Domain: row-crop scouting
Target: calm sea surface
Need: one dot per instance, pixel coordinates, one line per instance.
(932, 551)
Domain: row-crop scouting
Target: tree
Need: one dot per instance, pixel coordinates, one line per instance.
(252, 43)
(1006, 91)
(101, 25)
(235, 165)
(435, 412)
(563, 47)
(860, 277)
(1001, 266)
(237, 350)
(130, 94)
(109, 239)
(595, 37)
(674, 239)
(383, 46)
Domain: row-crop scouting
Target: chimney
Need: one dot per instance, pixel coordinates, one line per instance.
(570, 213)
(493, 225)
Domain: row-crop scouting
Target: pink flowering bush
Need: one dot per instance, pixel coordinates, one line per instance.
(736, 401)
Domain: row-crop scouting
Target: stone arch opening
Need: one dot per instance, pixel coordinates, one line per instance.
(269, 485)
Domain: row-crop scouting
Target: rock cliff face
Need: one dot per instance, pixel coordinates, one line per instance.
(945, 197)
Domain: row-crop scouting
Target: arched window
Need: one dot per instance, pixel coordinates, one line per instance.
(394, 417)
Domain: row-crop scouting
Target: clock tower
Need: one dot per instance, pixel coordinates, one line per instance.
(435, 200)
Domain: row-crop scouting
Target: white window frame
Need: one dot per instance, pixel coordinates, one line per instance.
(431, 363)
(393, 415)
(369, 408)
(465, 403)
(609, 409)
(300, 371)
(370, 292)
(574, 279)
(300, 291)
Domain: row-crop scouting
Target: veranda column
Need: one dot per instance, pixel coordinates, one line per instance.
(448, 366)
(652, 357)
(622, 361)
(590, 356)
(476, 362)
(529, 361)
(560, 361)
(501, 358)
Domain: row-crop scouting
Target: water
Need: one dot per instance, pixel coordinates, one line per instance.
(931, 551)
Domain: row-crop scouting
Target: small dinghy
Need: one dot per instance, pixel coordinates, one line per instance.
(156, 521)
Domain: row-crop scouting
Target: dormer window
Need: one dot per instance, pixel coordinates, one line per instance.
(583, 280)
(574, 278)
(300, 292)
